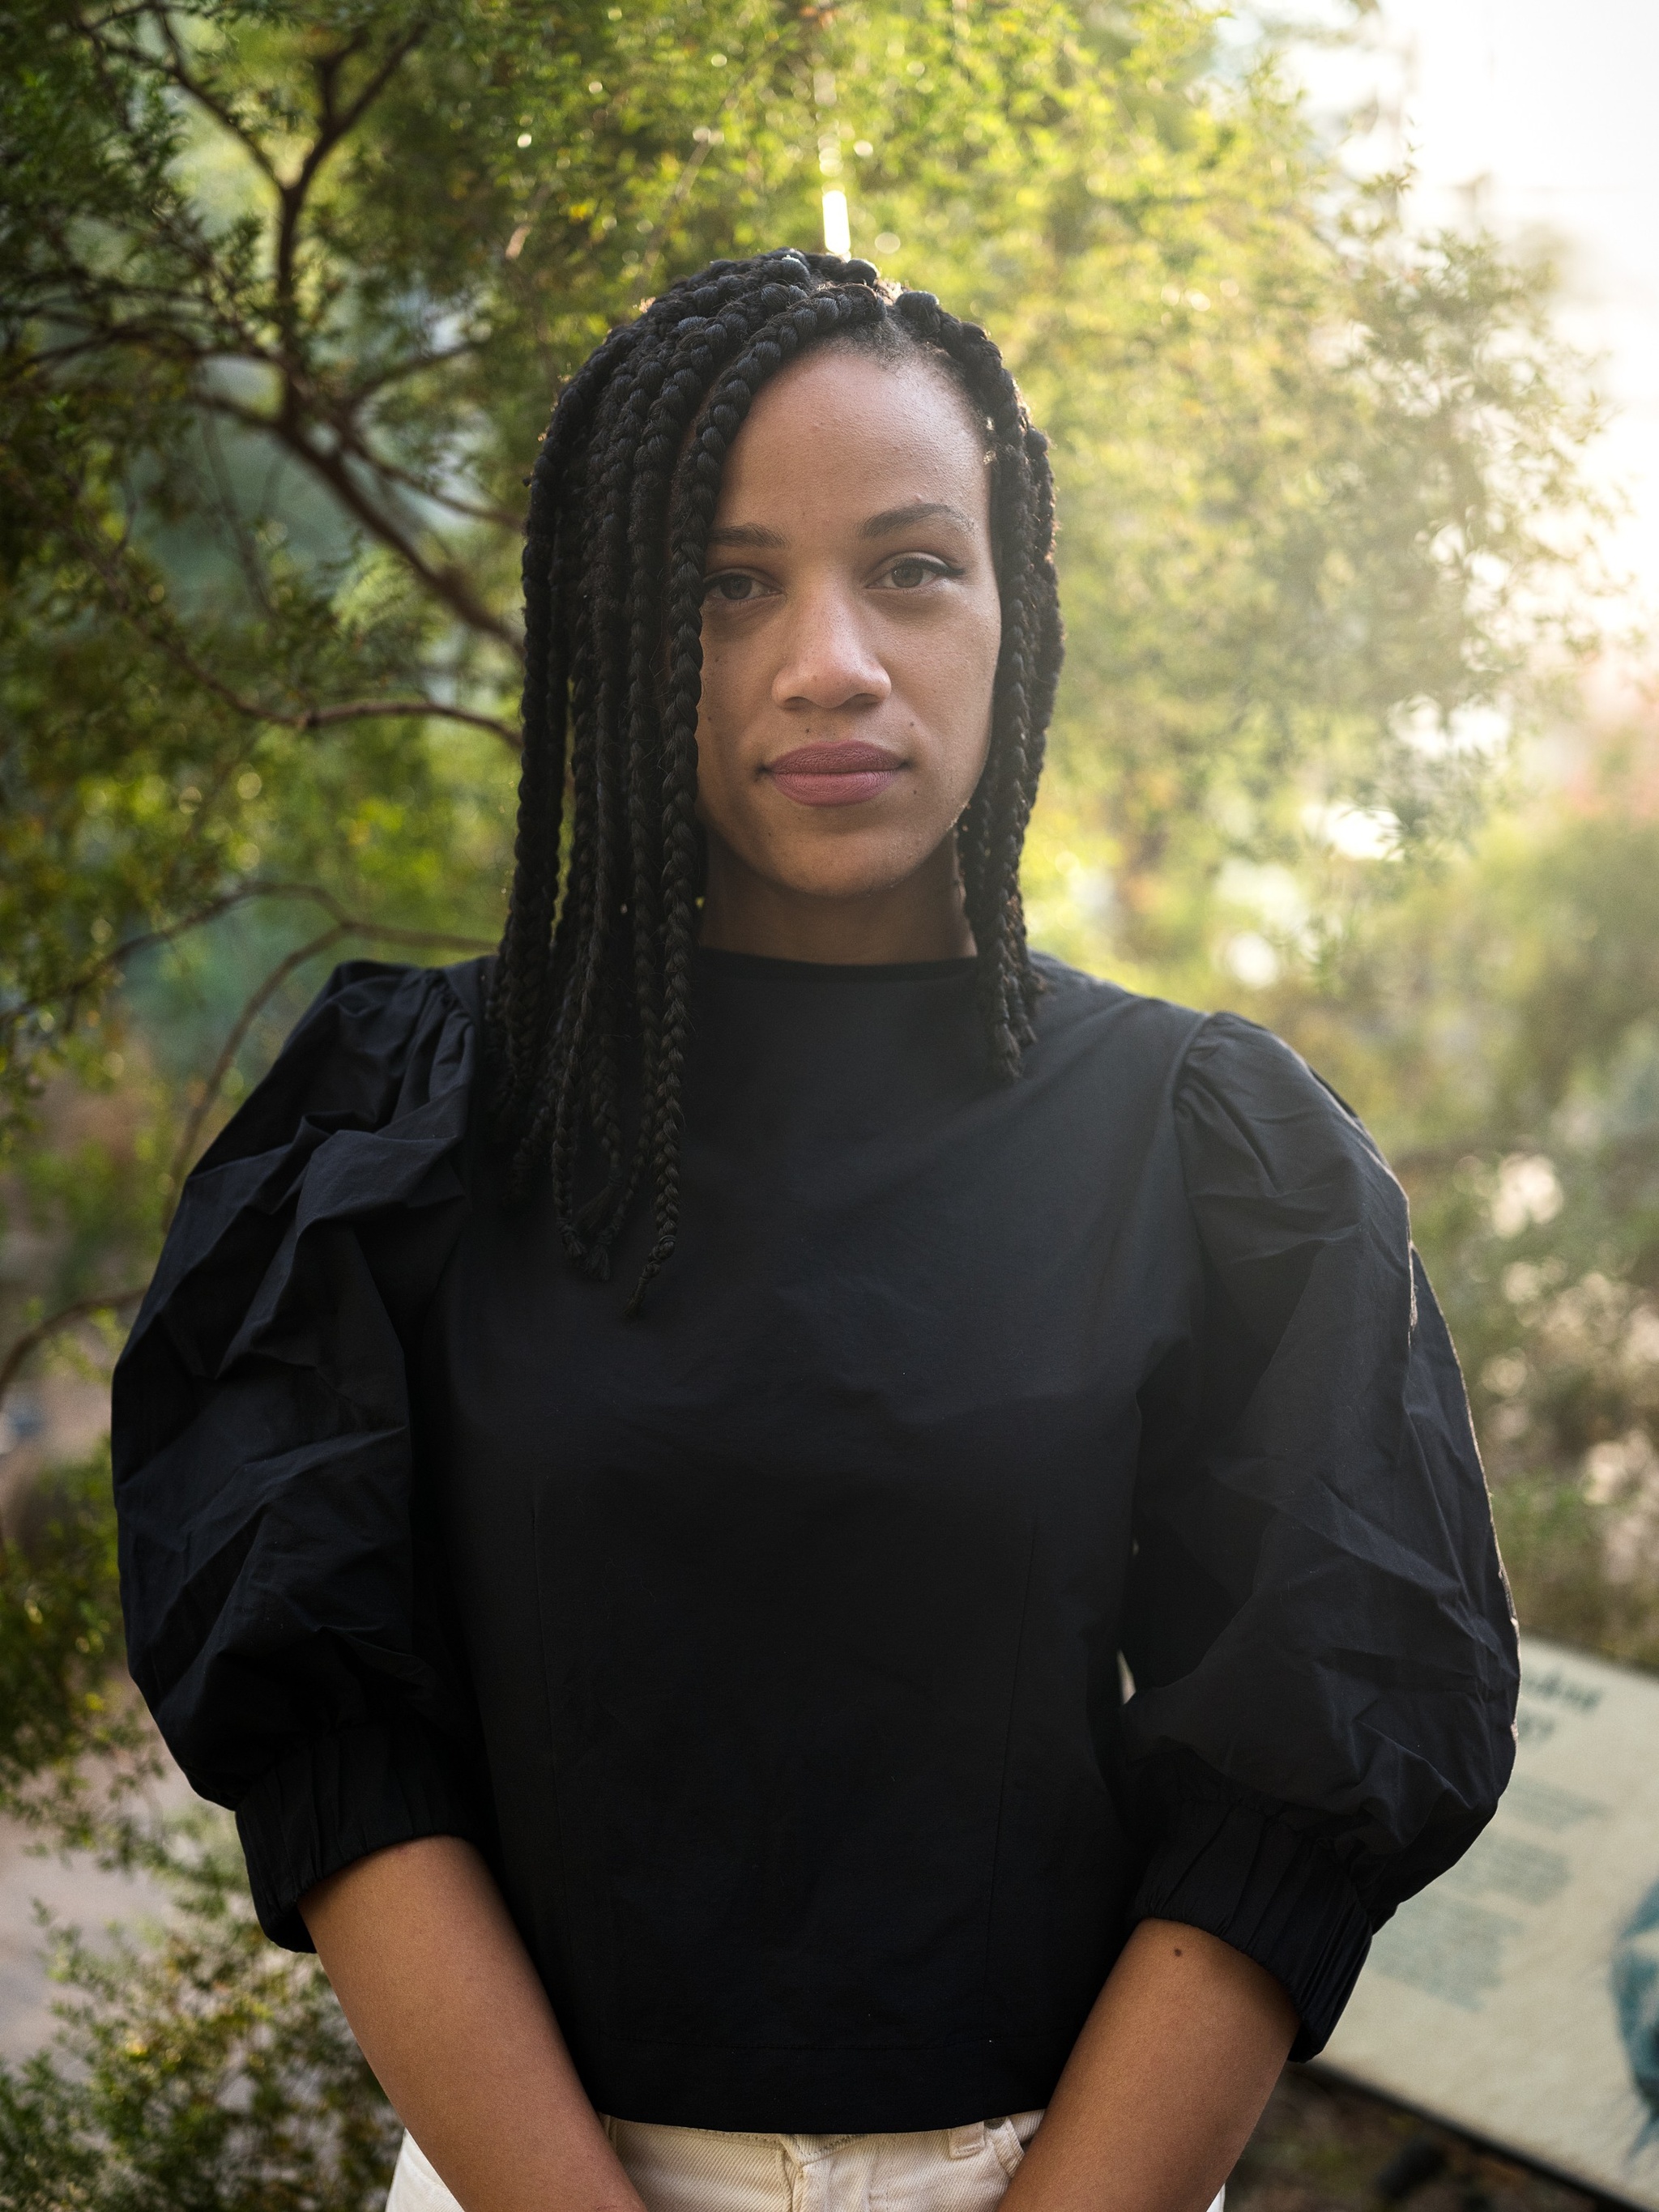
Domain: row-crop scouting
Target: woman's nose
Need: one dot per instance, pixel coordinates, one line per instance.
(829, 659)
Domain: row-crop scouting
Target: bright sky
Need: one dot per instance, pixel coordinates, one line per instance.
(1542, 118)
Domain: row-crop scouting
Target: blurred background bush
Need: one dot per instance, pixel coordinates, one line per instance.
(287, 293)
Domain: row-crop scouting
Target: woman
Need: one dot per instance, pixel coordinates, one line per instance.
(640, 1460)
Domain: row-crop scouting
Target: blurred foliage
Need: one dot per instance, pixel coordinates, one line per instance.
(68, 1707)
(203, 2071)
(197, 2067)
(285, 293)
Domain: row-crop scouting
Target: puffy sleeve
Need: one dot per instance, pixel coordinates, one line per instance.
(1318, 1628)
(286, 1610)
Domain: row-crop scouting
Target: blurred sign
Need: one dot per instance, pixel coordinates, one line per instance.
(1518, 1998)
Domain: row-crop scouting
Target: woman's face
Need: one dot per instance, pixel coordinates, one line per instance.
(850, 630)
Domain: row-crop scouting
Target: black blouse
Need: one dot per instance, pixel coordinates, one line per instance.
(768, 1643)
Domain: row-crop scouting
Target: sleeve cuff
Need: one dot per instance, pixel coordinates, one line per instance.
(336, 1800)
(1276, 1894)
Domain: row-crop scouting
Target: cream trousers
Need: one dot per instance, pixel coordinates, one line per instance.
(699, 2170)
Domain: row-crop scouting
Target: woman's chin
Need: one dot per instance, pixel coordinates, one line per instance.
(848, 888)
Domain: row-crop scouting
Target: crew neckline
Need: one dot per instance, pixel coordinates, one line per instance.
(765, 968)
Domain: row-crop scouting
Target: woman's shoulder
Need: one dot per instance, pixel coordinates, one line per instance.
(381, 1042)
(1253, 1113)
(1252, 1117)
(362, 1114)
(1283, 1177)
(1076, 1009)
(1184, 1044)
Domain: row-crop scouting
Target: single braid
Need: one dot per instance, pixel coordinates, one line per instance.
(590, 1003)
(587, 1083)
(520, 983)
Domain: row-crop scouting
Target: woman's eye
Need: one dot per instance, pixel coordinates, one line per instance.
(732, 586)
(908, 574)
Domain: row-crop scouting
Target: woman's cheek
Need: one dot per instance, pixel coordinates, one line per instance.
(725, 790)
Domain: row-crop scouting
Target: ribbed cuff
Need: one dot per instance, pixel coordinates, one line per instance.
(1271, 1892)
(334, 1801)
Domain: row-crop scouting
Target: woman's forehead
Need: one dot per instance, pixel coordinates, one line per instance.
(848, 427)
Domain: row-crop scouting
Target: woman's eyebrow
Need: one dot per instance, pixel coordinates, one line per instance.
(745, 533)
(905, 518)
(884, 525)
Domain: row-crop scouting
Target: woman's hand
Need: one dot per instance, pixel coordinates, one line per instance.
(452, 2017)
(1166, 2082)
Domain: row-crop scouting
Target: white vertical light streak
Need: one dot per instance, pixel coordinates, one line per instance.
(838, 234)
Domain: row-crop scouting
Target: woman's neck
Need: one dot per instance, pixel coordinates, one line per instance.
(922, 918)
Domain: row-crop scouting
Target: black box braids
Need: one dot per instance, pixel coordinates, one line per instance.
(594, 971)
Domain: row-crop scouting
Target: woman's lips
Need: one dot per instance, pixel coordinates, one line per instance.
(842, 774)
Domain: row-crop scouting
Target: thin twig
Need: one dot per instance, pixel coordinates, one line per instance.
(422, 939)
(177, 69)
(303, 407)
(76, 1309)
(130, 947)
(365, 710)
(235, 521)
(365, 386)
(244, 1022)
(500, 517)
(169, 932)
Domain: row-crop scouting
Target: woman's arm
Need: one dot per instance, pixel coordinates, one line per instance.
(451, 2016)
(1158, 2097)
(1166, 2082)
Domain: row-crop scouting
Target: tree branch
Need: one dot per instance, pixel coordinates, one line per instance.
(119, 955)
(77, 1309)
(161, 634)
(366, 710)
(342, 126)
(287, 428)
(169, 932)
(214, 1082)
(448, 584)
(175, 71)
(345, 926)
(417, 364)
(333, 128)
(103, 312)
(447, 581)
(501, 517)
(226, 117)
